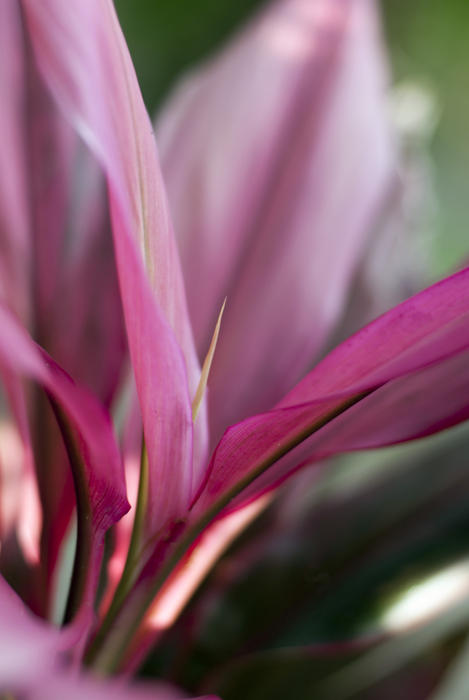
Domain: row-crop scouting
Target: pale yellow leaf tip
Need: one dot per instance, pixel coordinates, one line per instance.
(199, 394)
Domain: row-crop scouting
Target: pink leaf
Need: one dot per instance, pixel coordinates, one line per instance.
(56, 235)
(83, 58)
(98, 473)
(33, 662)
(14, 223)
(29, 648)
(76, 688)
(410, 363)
(277, 157)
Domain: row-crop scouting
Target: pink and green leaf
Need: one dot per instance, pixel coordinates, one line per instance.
(277, 155)
(33, 662)
(401, 377)
(84, 60)
(94, 455)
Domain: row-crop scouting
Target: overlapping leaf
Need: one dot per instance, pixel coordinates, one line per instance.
(83, 58)
(278, 156)
(96, 464)
(401, 377)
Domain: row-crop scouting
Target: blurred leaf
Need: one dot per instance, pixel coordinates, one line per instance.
(280, 674)
(407, 666)
(428, 43)
(455, 683)
(168, 36)
(373, 528)
(375, 523)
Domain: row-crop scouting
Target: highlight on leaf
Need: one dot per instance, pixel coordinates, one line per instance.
(283, 173)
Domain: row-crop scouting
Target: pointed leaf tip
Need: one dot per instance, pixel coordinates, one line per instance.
(401, 377)
(199, 394)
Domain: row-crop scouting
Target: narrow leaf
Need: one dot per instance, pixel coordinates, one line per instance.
(83, 58)
(98, 471)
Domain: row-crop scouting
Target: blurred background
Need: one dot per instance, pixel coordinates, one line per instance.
(427, 41)
(356, 585)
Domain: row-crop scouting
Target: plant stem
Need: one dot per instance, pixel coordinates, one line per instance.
(107, 655)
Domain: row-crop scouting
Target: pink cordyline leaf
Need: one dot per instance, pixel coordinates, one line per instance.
(75, 281)
(19, 471)
(19, 505)
(72, 688)
(76, 311)
(14, 223)
(28, 646)
(83, 58)
(277, 158)
(412, 364)
(32, 662)
(55, 209)
(411, 407)
(98, 474)
(56, 236)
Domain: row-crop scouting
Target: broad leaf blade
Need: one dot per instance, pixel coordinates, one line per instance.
(418, 345)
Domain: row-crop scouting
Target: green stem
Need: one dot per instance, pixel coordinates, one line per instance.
(133, 564)
(109, 653)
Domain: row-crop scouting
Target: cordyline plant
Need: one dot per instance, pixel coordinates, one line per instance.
(277, 159)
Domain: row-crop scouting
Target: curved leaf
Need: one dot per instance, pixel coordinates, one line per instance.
(277, 156)
(413, 358)
(83, 58)
(98, 472)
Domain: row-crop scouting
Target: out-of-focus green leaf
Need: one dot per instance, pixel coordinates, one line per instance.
(408, 666)
(455, 683)
(428, 43)
(280, 674)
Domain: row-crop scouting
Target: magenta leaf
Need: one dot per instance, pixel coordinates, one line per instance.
(55, 230)
(95, 459)
(76, 688)
(29, 648)
(277, 156)
(84, 60)
(401, 377)
(14, 222)
(33, 662)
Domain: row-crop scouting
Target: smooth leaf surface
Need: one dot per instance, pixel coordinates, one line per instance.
(29, 648)
(417, 346)
(14, 224)
(83, 58)
(277, 156)
(56, 241)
